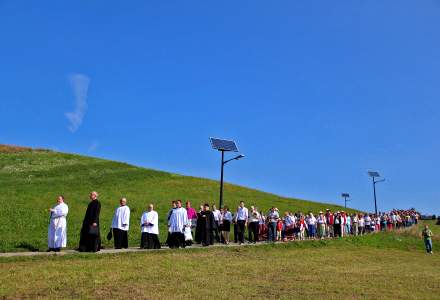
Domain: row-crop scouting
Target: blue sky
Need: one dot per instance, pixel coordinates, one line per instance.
(316, 93)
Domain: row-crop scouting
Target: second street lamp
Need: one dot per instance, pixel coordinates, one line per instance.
(345, 196)
(374, 175)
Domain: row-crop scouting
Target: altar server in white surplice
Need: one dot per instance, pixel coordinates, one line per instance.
(176, 226)
(57, 232)
(150, 229)
(121, 224)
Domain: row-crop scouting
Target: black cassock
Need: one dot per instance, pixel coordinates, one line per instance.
(198, 233)
(207, 226)
(90, 241)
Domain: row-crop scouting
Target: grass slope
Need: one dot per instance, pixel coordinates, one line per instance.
(30, 180)
(380, 266)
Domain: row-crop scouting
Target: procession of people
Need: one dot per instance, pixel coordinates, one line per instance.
(210, 225)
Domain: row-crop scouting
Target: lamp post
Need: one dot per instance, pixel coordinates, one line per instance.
(224, 146)
(224, 162)
(374, 175)
(345, 196)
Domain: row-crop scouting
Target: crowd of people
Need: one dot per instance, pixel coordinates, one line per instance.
(209, 225)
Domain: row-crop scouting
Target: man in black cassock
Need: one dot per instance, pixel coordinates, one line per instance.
(90, 239)
(207, 226)
(198, 232)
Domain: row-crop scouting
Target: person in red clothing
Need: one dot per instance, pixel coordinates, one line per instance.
(329, 223)
(302, 227)
(343, 223)
(389, 223)
(279, 229)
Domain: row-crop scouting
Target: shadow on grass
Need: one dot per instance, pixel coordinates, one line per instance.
(25, 245)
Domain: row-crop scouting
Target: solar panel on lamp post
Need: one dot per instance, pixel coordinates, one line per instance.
(224, 146)
(345, 196)
(374, 175)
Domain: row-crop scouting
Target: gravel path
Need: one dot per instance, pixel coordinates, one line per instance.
(112, 251)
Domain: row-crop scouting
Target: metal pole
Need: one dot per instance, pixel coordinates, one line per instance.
(221, 180)
(375, 201)
(345, 198)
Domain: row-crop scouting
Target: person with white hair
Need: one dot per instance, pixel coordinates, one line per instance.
(57, 231)
(121, 224)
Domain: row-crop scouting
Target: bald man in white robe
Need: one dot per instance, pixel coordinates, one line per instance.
(121, 224)
(150, 229)
(57, 231)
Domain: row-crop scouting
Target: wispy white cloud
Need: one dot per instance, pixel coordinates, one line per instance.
(93, 146)
(80, 86)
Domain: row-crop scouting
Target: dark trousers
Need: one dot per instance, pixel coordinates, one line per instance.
(241, 229)
(177, 239)
(217, 232)
(337, 230)
(253, 232)
(272, 234)
(235, 232)
(150, 241)
(428, 245)
(120, 238)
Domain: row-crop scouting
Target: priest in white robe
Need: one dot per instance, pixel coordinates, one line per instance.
(150, 229)
(176, 226)
(121, 224)
(57, 232)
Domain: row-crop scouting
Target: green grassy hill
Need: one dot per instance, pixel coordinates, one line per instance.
(30, 181)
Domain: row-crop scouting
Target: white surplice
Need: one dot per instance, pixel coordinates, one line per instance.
(57, 232)
(178, 220)
(121, 218)
(150, 217)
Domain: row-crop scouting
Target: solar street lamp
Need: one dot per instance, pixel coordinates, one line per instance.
(374, 175)
(224, 146)
(345, 196)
